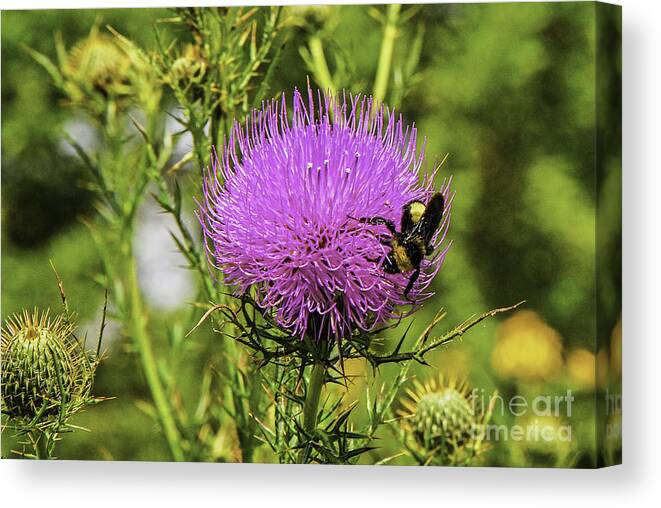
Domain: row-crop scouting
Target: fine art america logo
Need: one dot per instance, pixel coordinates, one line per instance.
(540, 416)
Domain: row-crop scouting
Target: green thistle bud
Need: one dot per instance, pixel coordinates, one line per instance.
(100, 62)
(104, 75)
(46, 374)
(311, 18)
(446, 427)
(443, 420)
(189, 68)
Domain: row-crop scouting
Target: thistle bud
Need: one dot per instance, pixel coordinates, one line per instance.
(311, 18)
(189, 68)
(104, 75)
(46, 374)
(446, 426)
(443, 419)
(100, 61)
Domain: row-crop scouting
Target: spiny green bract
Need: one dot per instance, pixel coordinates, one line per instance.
(46, 373)
(443, 423)
(443, 420)
(99, 60)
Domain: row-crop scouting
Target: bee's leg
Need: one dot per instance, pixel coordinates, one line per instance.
(412, 280)
(390, 264)
(384, 240)
(380, 221)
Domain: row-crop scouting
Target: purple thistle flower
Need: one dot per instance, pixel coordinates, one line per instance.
(280, 205)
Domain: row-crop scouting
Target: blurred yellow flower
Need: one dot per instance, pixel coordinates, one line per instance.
(527, 348)
(581, 366)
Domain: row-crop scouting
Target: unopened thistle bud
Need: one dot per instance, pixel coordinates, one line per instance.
(46, 374)
(443, 419)
(446, 426)
(311, 18)
(189, 68)
(100, 62)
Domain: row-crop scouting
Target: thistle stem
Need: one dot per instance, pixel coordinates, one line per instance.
(321, 71)
(311, 406)
(40, 446)
(386, 54)
(138, 327)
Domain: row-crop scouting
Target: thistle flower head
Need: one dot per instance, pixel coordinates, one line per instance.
(445, 421)
(281, 206)
(46, 374)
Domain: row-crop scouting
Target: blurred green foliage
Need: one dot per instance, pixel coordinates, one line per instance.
(507, 90)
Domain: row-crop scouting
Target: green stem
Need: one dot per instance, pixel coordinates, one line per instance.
(39, 441)
(138, 326)
(385, 56)
(311, 406)
(321, 71)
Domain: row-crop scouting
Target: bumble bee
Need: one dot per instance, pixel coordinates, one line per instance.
(410, 246)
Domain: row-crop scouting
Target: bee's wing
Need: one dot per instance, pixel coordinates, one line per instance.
(431, 219)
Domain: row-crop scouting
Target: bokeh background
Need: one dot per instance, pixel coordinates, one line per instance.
(508, 91)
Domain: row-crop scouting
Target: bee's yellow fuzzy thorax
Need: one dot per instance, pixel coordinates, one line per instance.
(417, 209)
